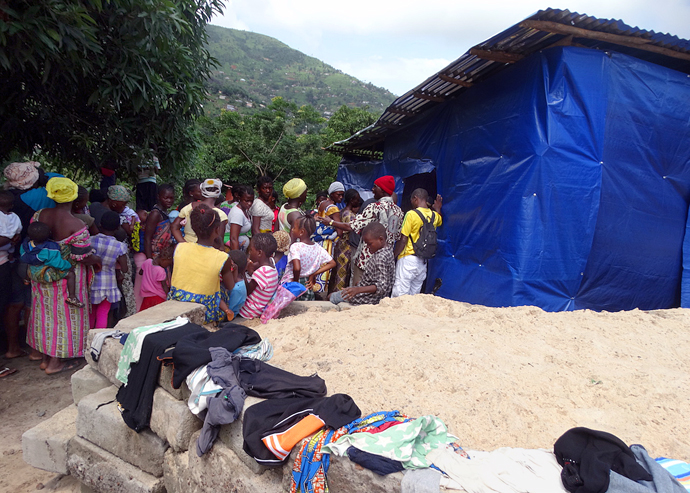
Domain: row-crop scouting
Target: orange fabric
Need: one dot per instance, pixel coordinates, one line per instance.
(280, 444)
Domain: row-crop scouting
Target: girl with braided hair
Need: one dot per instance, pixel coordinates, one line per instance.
(198, 267)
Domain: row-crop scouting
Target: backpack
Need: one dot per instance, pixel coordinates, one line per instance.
(425, 246)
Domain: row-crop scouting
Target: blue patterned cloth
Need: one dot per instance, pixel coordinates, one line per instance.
(211, 302)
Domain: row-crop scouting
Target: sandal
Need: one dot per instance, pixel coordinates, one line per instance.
(6, 372)
(230, 315)
(69, 366)
(75, 302)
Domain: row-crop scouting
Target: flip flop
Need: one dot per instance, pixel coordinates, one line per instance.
(6, 372)
(74, 364)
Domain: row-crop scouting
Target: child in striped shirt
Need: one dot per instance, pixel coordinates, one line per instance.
(264, 279)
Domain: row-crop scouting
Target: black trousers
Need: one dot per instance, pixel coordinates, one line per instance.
(136, 398)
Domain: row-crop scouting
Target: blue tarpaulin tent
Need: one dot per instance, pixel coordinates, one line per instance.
(566, 183)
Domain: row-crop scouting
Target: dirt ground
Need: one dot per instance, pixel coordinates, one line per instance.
(27, 398)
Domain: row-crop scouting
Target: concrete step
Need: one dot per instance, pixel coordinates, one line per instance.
(87, 381)
(219, 470)
(104, 473)
(110, 357)
(45, 445)
(172, 420)
(231, 436)
(168, 310)
(102, 425)
(345, 475)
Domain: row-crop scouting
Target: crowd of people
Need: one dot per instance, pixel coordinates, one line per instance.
(71, 259)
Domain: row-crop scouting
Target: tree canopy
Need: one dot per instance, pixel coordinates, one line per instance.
(283, 141)
(92, 80)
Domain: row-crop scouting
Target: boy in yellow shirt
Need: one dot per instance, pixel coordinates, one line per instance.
(410, 269)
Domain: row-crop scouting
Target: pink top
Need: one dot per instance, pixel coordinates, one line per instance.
(151, 280)
(266, 278)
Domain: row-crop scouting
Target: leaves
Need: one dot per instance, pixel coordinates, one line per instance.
(283, 141)
(125, 73)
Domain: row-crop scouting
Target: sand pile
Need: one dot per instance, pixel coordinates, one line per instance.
(517, 377)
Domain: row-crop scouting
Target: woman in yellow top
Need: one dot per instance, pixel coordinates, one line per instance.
(198, 267)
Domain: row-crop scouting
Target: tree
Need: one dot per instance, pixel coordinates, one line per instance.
(283, 141)
(347, 121)
(90, 80)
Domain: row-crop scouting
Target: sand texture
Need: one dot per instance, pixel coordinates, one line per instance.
(516, 377)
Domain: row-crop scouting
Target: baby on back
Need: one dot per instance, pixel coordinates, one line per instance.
(44, 260)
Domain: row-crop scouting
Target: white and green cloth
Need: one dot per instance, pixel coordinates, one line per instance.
(408, 442)
(135, 340)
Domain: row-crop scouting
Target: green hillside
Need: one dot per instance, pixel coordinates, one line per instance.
(255, 68)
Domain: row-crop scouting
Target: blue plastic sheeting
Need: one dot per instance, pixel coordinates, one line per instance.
(566, 183)
(685, 281)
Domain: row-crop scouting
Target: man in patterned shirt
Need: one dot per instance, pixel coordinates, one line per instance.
(383, 211)
(379, 274)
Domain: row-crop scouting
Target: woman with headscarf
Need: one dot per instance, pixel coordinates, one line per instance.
(260, 211)
(19, 179)
(342, 249)
(326, 235)
(57, 329)
(117, 198)
(210, 190)
(295, 192)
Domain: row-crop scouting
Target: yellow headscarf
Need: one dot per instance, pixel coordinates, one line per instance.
(294, 188)
(62, 190)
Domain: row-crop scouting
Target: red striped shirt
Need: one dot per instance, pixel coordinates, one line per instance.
(266, 278)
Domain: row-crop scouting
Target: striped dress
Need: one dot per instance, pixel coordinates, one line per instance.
(56, 328)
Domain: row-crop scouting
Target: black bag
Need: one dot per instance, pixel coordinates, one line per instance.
(425, 246)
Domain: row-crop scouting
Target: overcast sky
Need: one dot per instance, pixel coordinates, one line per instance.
(398, 44)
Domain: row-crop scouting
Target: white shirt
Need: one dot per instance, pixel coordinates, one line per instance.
(10, 225)
(237, 216)
(260, 209)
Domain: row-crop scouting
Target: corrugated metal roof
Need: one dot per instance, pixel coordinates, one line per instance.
(546, 28)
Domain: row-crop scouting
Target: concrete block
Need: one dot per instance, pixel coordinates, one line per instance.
(87, 381)
(231, 436)
(298, 307)
(110, 355)
(165, 381)
(45, 445)
(102, 425)
(172, 420)
(167, 310)
(105, 473)
(218, 470)
(110, 352)
(344, 306)
(345, 475)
